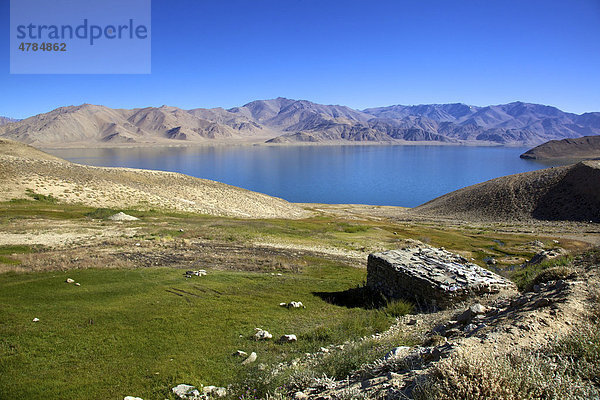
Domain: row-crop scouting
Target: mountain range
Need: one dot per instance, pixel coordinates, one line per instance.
(284, 120)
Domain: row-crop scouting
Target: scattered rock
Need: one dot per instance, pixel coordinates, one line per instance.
(397, 353)
(132, 398)
(200, 272)
(471, 312)
(261, 334)
(292, 304)
(240, 353)
(35, 320)
(288, 338)
(186, 392)
(69, 280)
(300, 396)
(214, 391)
(251, 358)
(77, 284)
(546, 255)
(121, 216)
(412, 322)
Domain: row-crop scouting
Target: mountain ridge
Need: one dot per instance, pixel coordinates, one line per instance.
(283, 120)
(583, 148)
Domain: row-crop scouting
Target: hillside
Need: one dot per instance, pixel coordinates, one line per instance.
(284, 120)
(564, 193)
(583, 148)
(24, 170)
(6, 120)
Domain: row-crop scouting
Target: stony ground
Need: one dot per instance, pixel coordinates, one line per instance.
(486, 328)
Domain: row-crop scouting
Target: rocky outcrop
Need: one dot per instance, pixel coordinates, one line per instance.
(430, 277)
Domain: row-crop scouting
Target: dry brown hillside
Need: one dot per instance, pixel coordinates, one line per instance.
(25, 168)
(570, 193)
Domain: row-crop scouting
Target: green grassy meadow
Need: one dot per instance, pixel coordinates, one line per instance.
(141, 331)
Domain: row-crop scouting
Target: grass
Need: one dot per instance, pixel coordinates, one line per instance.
(142, 331)
(158, 329)
(527, 276)
(7, 251)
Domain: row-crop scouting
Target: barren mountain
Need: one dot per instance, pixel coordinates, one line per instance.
(583, 148)
(570, 193)
(92, 124)
(6, 120)
(289, 121)
(25, 171)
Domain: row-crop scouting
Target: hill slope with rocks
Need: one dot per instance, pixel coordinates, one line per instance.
(284, 120)
(583, 148)
(25, 171)
(569, 193)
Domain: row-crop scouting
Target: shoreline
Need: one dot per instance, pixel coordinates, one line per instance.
(233, 143)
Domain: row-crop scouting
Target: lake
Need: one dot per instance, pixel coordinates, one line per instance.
(379, 175)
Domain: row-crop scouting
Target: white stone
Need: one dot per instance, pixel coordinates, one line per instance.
(121, 216)
(261, 334)
(251, 358)
(35, 320)
(77, 284)
(69, 280)
(288, 338)
(132, 398)
(186, 392)
(215, 391)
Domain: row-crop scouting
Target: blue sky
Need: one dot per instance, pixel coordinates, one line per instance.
(209, 53)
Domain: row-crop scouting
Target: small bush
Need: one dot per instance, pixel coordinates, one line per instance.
(553, 274)
(42, 198)
(523, 376)
(398, 308)
(525, 275)
(100, 213)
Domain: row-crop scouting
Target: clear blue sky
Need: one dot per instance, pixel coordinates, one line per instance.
(208, 53)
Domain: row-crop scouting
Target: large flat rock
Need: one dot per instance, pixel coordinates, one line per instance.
(431, 277)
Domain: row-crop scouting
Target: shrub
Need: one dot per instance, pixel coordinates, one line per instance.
(512, 377)
(398, 308)
(43, 198)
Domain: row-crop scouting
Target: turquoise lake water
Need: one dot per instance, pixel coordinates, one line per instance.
(379, 175)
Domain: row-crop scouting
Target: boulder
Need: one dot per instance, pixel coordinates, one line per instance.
(432, 277)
